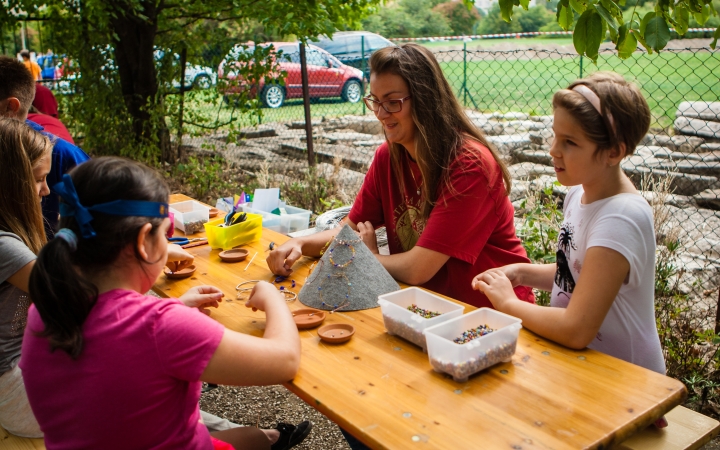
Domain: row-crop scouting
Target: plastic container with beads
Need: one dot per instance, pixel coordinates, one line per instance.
(463, 360)
(409, 325)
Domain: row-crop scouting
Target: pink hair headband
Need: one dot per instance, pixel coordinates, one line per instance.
(594, 100)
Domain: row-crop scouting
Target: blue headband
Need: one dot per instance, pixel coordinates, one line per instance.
(129, 208)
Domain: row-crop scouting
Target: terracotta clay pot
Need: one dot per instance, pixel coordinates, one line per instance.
(336, 333)
(184, 273)
(308, 318)
(234, 255)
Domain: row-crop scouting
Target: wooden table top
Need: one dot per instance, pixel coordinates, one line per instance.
(383, 390)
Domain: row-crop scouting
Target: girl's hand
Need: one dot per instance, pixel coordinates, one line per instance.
(514, 273)
(178, 258)
(496, 286)
(367, 234)
(281, 259)
(202, 297)
(262, 293)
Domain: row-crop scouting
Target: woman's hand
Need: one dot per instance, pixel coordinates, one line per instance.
(281, 259)
(496, 286)
(262, 293)
(178, 258)
(367, 234)
(202, 297)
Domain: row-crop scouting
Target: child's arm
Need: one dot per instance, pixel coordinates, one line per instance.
(538, 276)
(604, 270)
(245, 360)
(21, 278)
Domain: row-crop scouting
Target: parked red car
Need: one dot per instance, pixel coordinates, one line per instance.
(327, 76)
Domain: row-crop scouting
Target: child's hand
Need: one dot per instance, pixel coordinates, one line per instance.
(496, 286)
(367, 234)
(178, 258)
(262, 293)
(202, 297)
(513, 272)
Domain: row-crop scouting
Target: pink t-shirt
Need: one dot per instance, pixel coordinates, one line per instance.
(136, 383)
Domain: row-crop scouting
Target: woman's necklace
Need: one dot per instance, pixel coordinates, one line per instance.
(415, 181)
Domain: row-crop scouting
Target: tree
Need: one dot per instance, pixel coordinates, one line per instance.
(408, 18)
(461, 19)
(113, 43)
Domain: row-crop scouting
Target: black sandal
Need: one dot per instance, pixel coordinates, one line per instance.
(291, 435)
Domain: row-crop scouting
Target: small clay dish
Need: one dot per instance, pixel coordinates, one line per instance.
(336, 333)
(234, 255)
(180, 274)
(308, 318)
(213, 212)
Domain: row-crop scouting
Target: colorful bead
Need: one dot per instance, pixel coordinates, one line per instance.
(473, 333)
(425, 313)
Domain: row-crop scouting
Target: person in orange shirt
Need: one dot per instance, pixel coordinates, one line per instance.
(32, 66)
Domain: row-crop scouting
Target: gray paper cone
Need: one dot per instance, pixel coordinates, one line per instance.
(357, 280)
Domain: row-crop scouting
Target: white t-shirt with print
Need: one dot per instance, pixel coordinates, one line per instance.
(623, 223)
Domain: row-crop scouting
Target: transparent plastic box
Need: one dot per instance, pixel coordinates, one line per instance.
(463, 360)
(228, 237)
(296, 219)
(408, 325)
(190, 216)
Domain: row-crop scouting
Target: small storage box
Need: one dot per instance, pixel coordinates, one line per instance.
(190, 216)
(296, 219)
(463, 360)
(234, 235)
(409, 325)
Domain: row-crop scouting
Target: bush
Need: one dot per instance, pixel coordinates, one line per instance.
(461, 20)
(408, 18)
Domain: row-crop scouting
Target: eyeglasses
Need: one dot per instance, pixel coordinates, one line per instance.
(391, 106)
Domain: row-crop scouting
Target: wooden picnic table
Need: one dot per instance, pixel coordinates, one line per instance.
(383, 390)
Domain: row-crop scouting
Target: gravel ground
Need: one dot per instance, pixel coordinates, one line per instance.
(269, 405)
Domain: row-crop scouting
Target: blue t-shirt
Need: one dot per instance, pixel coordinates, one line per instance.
(65, 156)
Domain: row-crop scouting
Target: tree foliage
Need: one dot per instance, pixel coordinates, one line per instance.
(122, 106)
(408, 18)
(462, 21)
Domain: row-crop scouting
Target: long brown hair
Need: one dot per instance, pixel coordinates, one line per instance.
(443, 128)
(21, 150)
(619, 99)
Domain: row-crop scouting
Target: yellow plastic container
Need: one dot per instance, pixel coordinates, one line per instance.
(232, 236)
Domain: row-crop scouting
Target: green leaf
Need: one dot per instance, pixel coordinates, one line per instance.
(627, 43)
(506, 9)
(580, 34)
(613, 35)
(716, 36)
(657, 33)
(565, 17)
(525, 4)
(289, 16)
(704, 15)
(578, 5)
(613, 9)
(642, 42)
(648, 17)
(605, 14)
(682, 18)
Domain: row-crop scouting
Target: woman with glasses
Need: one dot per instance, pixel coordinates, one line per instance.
(435, 184)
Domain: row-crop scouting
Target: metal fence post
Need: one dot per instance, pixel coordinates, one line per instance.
(306, 103)
(464, 73)
(581, 66)
(362, 67)
(183, 61)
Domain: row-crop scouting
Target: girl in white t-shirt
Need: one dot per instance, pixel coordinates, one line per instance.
(603, 281)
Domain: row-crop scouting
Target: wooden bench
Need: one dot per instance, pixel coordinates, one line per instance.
(11, 442)
(686, 429)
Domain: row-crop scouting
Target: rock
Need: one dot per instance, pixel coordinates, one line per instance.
(525, 125)
(679, 201)
(510, 115)
(258, 131)
(547, 120)
(363, 124)
(678, 156)
(635, 161)
(710, 147)
(532, 156)
(544, 181)
(542, 137)
(344, 136)
(529, 171)
(350, 157)
(506, 143)
(697, 127)
(491, 127)
(699, 110)
(709, 198)
(519, 189)
(680, 143)
(477, 116)
(300, 124)
(372, 143)
(681, 184)
(690, 166)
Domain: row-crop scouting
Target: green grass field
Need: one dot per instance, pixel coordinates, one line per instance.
(525, 81)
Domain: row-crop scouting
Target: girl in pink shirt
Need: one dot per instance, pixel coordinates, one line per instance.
(108, 367)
